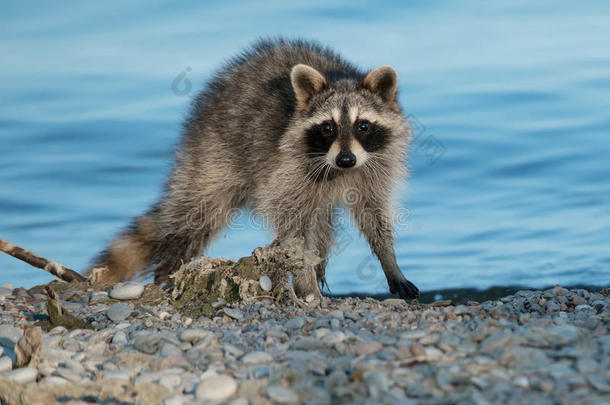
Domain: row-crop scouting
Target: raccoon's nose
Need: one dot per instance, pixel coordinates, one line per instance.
(346, 159)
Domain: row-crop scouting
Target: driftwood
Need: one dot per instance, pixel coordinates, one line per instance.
(59, 271)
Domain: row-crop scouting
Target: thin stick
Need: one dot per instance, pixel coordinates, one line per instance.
(56, 269)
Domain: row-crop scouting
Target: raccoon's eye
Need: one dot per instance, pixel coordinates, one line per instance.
(364, 126)
(327, 128)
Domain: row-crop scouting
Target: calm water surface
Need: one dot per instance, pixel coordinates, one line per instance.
(510, 104)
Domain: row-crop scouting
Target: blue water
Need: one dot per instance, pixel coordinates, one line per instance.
(510, 103)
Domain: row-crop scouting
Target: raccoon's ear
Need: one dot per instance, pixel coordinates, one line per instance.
(306, 82)
(382, 81)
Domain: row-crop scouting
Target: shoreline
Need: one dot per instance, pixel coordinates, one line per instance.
(463, 295)
(533, 345)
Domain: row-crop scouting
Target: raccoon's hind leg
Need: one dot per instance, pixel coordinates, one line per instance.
(129, 253)
(172, 233)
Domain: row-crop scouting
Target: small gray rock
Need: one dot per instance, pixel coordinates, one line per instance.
(460, 310)
(282, 395)
(173, 400)
(239, 401)
(295, 323)
(118, 312)
(562, 335)
(551, 306)
(119, 338)
(6, 292)
(9, 335)
(334, 338)
(375, 382)
(257, 357)
(98, 296)
(169, 349)
(308, 343)
(233, 313)
(193, 335)
(122, 375)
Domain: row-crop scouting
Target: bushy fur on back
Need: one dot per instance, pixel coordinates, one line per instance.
(290, 130)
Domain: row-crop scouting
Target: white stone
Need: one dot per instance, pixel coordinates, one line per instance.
(68, 374)
(334, 338)
(239, 401)
(53, 380)
(282, 395)
(173, 400)
(124, 375)
(120, 338)
(265, 283)
(75, 365)
(170, 381)
(127, 291)
(256, 358)
(194, 334)
(23, 375)
(216, 387)
(6, 364)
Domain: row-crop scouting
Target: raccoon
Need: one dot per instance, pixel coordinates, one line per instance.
(290, 130)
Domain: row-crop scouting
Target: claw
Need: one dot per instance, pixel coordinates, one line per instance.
(404, 288)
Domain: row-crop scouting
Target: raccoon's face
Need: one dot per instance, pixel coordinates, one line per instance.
(350, 124)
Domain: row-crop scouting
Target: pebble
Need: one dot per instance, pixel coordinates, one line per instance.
(54, 380)
(127, 291)
(295, 323)
(375, 382)
(256, 358)
(265, 283)
(119, 338)
(5, 292)
(6, 364)
(368, 347)
(118, 312)
(334, 338)
(233, 313)
(216, 387)
(9, 335)
(193, 335)
(22, 375)
(122, 375)
(562, 335)
(98, 296)
(348, 350)
(282, 395)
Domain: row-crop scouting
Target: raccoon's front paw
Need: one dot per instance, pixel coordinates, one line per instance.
(404, 288)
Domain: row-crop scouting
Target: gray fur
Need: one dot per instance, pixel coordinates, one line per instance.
(244, 145)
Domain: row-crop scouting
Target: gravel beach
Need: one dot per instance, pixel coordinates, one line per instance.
(540, 347)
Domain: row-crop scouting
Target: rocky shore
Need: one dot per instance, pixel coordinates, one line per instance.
(134, 346)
